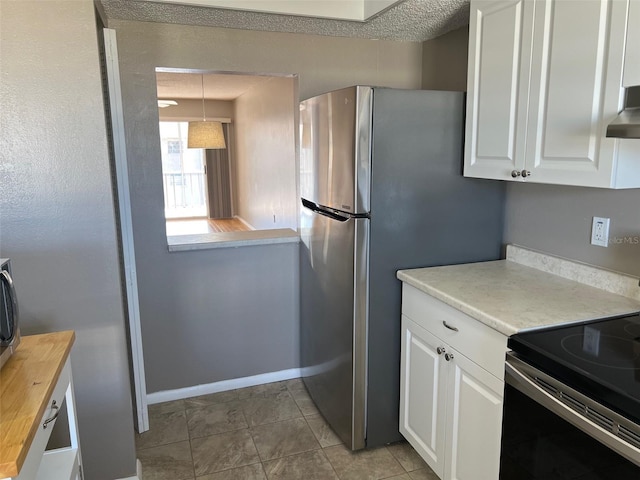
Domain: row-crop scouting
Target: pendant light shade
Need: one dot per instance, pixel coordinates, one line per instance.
(205, 134)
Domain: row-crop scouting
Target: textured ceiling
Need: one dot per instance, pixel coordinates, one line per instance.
(412, 20)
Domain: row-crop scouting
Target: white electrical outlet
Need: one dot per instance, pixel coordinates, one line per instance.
(600, 231)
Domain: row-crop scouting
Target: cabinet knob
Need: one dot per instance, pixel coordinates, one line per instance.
(526, 173)
(440, 350)
(448, 356)
(515, 173)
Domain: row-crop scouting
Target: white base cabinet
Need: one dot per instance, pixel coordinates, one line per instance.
(423, 394)
(62, 463)
(35, 385)
(474, 421)
(451, 405)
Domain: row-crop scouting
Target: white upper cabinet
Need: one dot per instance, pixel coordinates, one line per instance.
(545, 79)
(496, 89)
(632, 53)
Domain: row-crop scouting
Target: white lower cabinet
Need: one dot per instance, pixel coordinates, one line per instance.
(61, 463)
(423, 394)
(474, 421)
(450, 406)
(33, 373)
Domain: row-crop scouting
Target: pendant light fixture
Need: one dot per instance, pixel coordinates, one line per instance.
(205, 134)
(166, 103)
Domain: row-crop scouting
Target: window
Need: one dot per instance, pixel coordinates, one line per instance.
(183, 173)
(174, 146)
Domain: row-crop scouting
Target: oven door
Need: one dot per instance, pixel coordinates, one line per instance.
(552, 431)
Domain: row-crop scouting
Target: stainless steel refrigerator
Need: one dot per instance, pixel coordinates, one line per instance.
(382, 190)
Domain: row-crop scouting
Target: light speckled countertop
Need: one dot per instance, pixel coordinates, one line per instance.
(207, 241)
(510, 296)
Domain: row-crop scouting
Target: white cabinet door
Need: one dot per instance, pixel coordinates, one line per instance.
(575, 91)
(545, 79)
(423, 394)
(631, 76)
(500, 38)
(474, 421)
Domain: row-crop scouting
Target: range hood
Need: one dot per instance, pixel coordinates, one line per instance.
(627, 124)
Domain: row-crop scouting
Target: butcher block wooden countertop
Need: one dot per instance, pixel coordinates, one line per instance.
(27, 381)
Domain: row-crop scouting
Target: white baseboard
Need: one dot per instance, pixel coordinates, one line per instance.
(222, 386)
(138, 475)
(244, 222)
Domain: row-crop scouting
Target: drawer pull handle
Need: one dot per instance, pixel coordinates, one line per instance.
(448, 356)
(440, 350)
(449, 326)
(54, 406)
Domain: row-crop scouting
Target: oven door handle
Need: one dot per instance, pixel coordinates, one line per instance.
(518, 374)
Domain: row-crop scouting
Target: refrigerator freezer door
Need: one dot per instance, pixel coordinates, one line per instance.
(335, 149)
(333, 329)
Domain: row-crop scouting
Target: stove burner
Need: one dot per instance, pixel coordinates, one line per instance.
(604, 350)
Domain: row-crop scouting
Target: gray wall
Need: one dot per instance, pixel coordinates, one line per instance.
(557, 220)
(57, 216)
(265, 154)
(550, 218)
(444, 61)
(218, 314)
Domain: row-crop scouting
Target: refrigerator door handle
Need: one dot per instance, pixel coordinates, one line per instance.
(327, 213)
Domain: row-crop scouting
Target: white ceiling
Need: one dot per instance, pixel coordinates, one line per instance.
(408, 20)
(172, 85)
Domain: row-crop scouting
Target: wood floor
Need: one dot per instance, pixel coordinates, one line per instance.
(228, 225)
(203, 225)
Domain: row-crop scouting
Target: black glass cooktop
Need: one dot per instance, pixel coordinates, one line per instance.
(599, 358)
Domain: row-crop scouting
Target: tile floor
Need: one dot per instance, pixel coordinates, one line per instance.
(266, 432)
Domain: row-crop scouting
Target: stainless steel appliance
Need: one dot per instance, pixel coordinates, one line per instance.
(9, 329)
(627, 124)
(382, 190)
(588, 375)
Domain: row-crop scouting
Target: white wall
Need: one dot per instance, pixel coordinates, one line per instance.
(57, 213)
(189, 109)
(265, 154)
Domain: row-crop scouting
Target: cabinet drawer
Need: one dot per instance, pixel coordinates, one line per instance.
(34, 457)
(478, 342)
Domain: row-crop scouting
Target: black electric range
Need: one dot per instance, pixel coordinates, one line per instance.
(600, 359)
